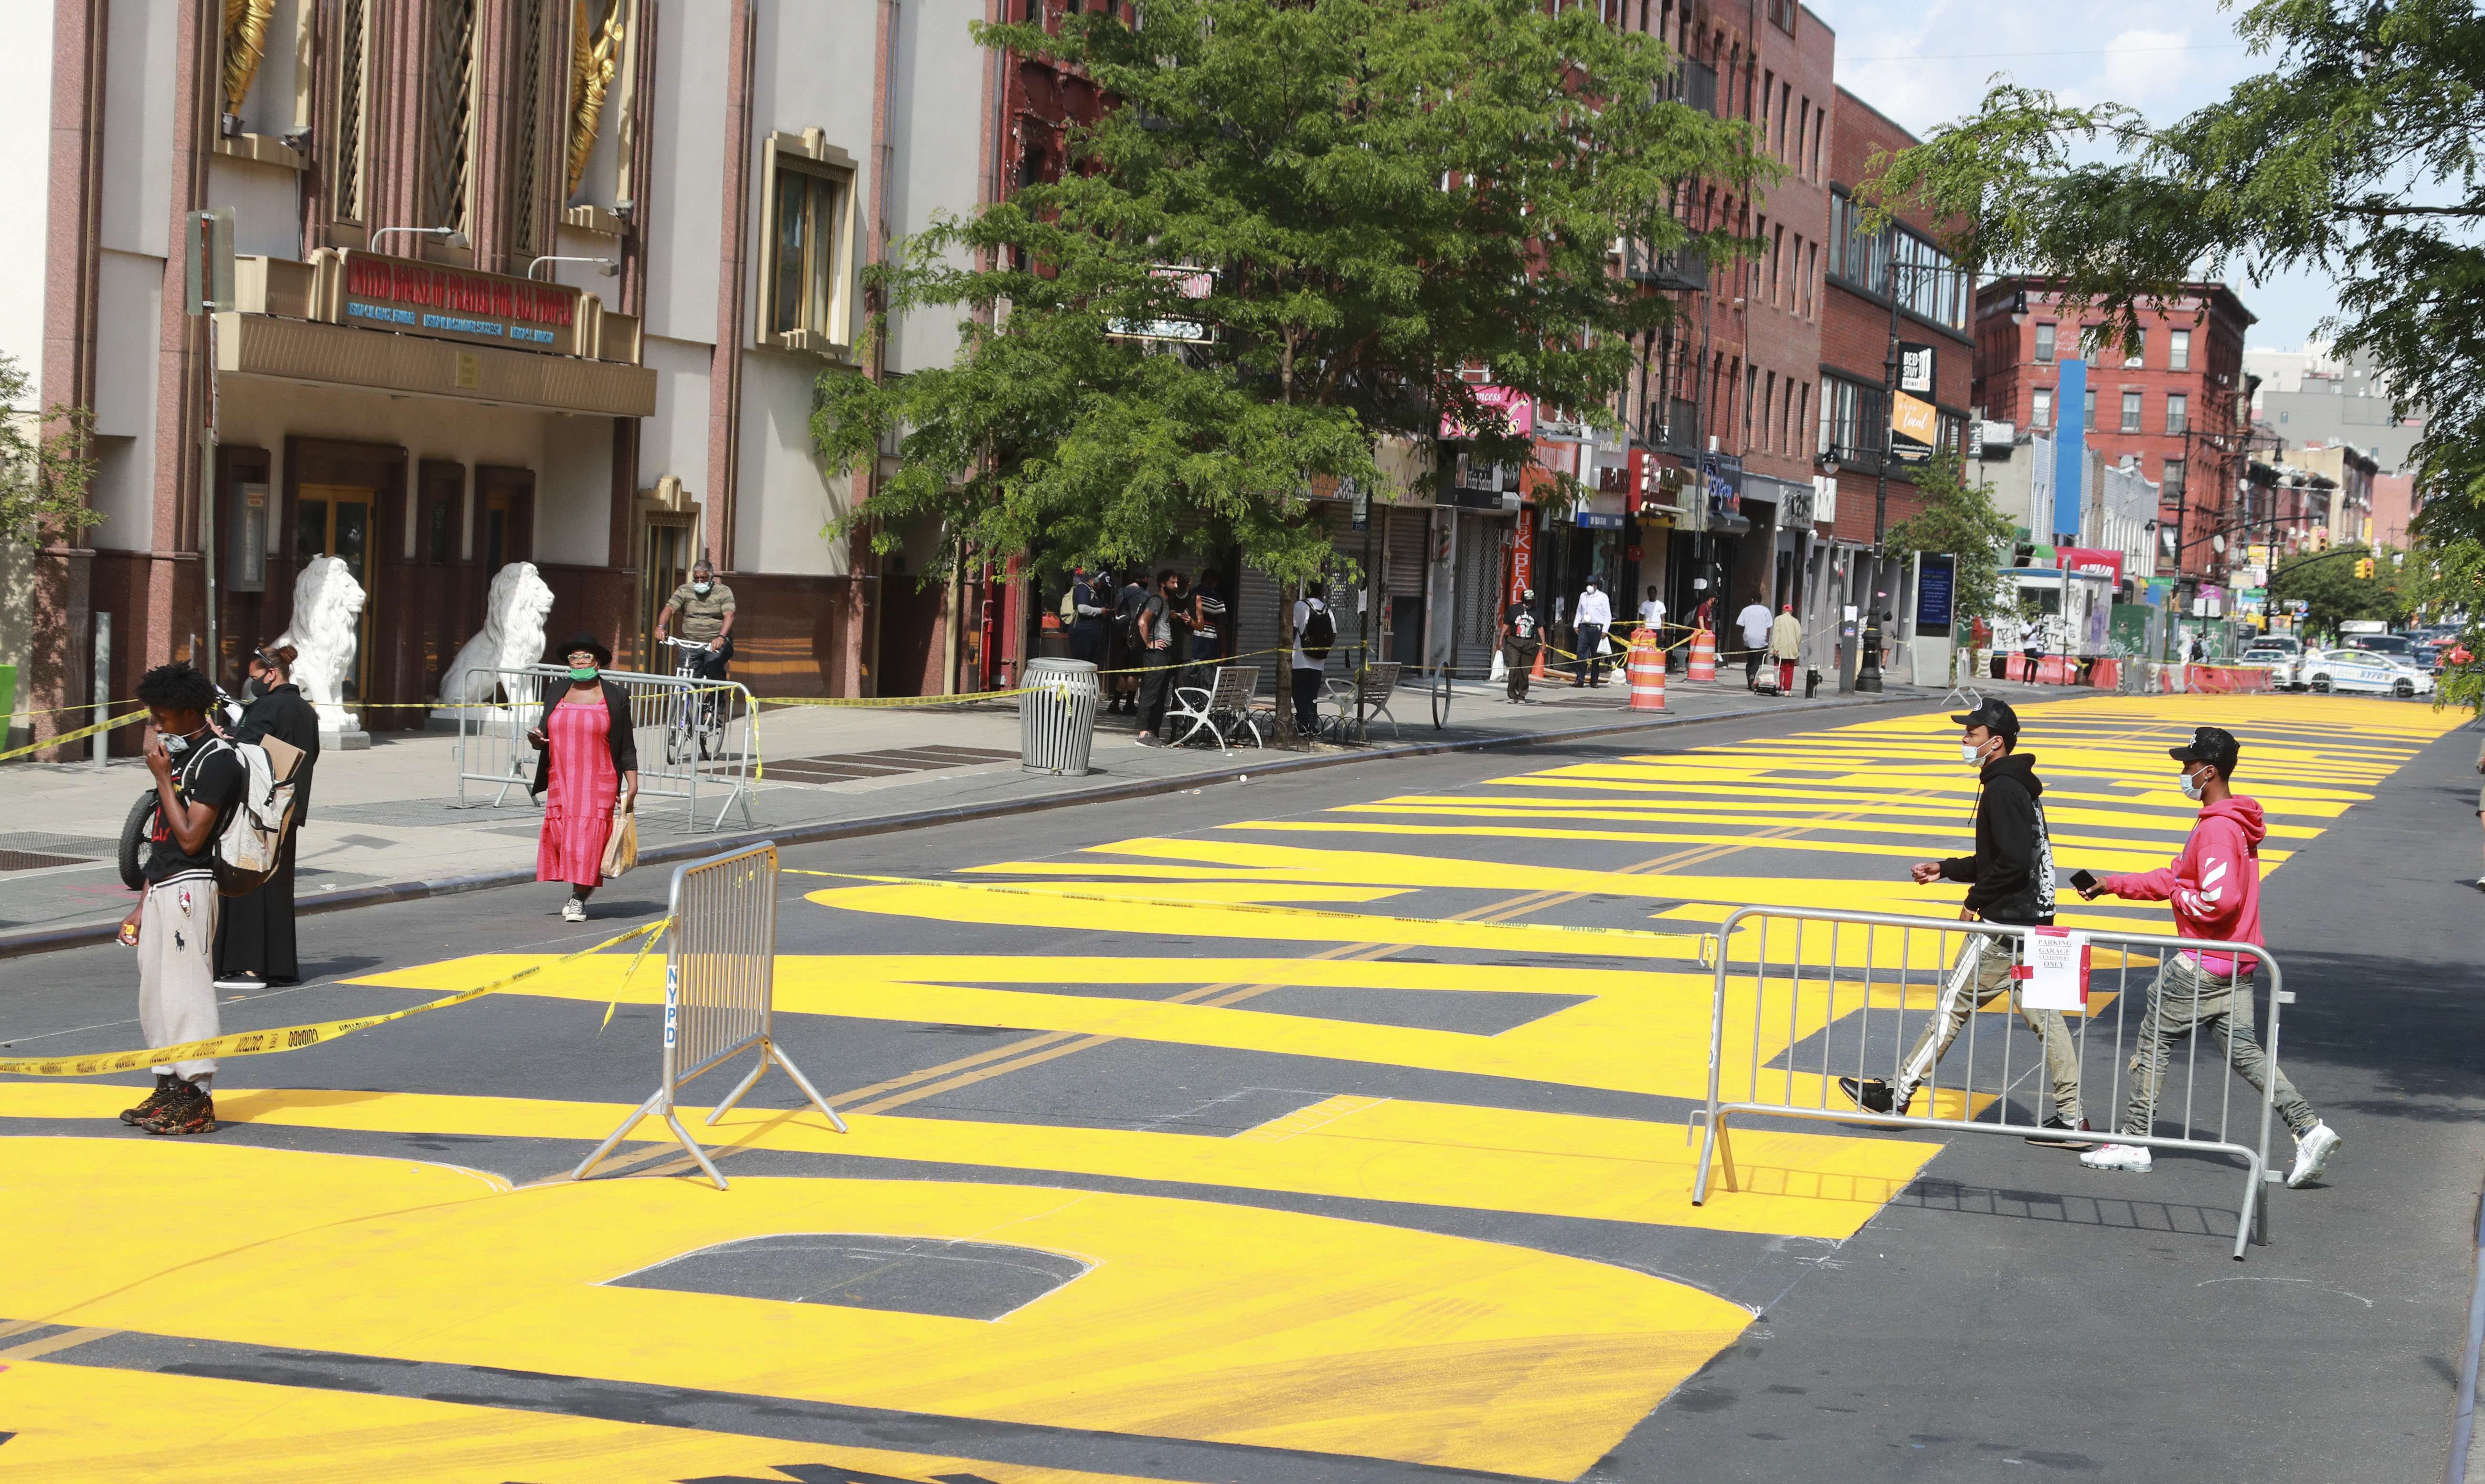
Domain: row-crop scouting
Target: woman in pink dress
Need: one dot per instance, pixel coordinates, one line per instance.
(586, 762)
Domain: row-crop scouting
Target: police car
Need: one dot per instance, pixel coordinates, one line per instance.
(2361, 670)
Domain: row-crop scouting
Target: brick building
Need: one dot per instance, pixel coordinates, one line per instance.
(2177, 410)
(1859, 322)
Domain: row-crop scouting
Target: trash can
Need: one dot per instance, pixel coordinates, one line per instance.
(1057, 719)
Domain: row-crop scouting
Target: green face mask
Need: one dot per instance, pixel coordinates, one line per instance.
(582, 673)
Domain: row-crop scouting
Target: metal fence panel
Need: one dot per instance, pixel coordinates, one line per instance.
(1804, 997)
(670, 718)
(720, 992)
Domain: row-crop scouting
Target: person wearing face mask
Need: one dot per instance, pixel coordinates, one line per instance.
(2010, 879)
(587, 775)
(198, 780)
(1518, 643)
(705, 608)
(2214, 887)
(255, 939)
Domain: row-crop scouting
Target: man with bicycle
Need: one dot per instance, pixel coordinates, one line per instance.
(706, 607)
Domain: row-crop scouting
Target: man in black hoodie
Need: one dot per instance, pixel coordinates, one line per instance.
(2011, 879)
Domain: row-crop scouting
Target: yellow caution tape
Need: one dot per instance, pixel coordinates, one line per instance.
(284, 1038)
(1364, 919)
(73, 736)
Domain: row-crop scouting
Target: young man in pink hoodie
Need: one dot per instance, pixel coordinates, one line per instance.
(2215, 888)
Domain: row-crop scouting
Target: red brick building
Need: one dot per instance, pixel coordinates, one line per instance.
(2177, 410)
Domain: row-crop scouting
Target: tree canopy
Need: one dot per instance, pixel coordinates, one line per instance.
(2327, 581)
(42, 476)
(1293, 228)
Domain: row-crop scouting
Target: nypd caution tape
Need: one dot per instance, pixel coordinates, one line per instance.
(284, 1038)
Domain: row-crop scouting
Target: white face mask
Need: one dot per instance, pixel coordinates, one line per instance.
(175, 746)
(2191, 788)
(1971, 754)
(701, 588)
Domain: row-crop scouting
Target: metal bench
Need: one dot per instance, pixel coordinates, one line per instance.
(1378, 682)
(1222, 708)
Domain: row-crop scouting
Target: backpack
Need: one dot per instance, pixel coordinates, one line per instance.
(252, 836)
(1069, 606)
(1320, 632)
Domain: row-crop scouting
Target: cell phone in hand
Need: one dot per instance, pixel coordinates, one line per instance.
(2086, 881)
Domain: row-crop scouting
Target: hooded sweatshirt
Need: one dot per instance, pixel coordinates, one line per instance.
(2010, 877)
(2214, 883)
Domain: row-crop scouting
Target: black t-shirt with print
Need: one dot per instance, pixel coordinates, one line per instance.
(1521, 619)
(211, 773)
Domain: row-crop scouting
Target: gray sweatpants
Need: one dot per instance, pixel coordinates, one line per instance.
(1991, 976)
(176, 970)
(2184, 999)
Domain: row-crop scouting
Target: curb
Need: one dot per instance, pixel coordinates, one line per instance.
(86, 935)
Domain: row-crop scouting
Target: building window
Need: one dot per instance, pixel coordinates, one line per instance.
(1781, 14)
(2087, 409)
(808, 249)
(1850, 420)
(2041, 413)
(449, 116)
(2178, 350)
(346, 194)
(2131, 412)
(2137, 351)
(2044, 345)
(2178, 412)
(2173, 479)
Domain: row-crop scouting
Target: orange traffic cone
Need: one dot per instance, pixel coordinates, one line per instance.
(1647, 668)
(1537, 673)
(1703, 658)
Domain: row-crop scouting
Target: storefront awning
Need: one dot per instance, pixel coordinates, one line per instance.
(411, 364)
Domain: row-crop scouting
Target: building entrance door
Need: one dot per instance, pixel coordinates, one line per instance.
(669, 546)
(336, 520)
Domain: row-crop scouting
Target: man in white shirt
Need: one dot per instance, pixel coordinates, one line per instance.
(1311, 659)
(1652, 614)
(1754, 622)
(1589, 623)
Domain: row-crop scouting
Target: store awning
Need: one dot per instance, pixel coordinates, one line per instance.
(313, 352)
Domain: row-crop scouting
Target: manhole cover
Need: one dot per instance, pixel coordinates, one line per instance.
(35, 860)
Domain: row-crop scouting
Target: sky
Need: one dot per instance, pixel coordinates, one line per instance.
(1925, 62)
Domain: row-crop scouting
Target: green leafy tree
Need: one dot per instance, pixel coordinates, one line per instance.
(1958, 518)
(44, 476)
(1295, 226)
(2360, 155)
(2327, 581)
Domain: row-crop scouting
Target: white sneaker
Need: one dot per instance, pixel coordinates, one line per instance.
(573, 911)
(2131, 1157)
(2312, 1151)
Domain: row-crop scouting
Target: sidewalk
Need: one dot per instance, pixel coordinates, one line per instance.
(385, 823)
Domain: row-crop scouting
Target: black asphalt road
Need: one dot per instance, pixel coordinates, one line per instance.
(2009, 1313)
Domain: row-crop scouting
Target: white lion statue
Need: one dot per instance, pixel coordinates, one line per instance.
(327, 603)
(513, 636)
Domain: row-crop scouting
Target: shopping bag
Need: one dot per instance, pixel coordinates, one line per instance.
(621, 846)
(1501, 674)
(1611, 651)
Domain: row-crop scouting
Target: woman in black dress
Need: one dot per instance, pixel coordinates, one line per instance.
(255, 933)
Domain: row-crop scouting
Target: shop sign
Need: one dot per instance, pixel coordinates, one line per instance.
(1913, 427)
(493, 309)
(2092, 560)
(1915, 368)
(1517, 408)
(1598, 520)
(1522, 560)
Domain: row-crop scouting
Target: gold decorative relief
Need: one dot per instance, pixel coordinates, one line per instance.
(594, 55)
(245, 45)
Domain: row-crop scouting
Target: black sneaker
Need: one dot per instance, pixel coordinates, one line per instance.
(1868, 1093)
(2062, 1135)
(186, 1110)
(148, 1106)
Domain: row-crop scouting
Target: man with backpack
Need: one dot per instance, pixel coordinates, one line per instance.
(199, 778)
(1315, 635)
(1156, 650)
(1082, 611)
(1126, 654)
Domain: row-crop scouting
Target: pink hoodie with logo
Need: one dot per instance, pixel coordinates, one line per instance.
(2214, 883)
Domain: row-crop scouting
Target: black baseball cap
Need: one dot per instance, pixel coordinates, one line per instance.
(2213, 745)
(1993, 714)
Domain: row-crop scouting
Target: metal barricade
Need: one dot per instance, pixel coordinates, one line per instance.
(694, 737)
(720, 992)
(1828, 994)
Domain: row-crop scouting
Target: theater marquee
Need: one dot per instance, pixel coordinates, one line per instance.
(492, 309)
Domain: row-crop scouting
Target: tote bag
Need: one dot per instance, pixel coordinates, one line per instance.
(621, 846)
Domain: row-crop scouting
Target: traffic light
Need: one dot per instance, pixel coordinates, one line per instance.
(2363, 567)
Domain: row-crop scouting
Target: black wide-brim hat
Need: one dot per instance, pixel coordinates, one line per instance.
(588, 642)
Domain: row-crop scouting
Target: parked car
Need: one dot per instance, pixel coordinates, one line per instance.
(2365, 670)
(2400, 646)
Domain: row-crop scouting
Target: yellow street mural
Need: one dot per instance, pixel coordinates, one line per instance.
(1281, 1284)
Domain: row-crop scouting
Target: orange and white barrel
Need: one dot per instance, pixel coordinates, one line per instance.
(1646, 665)
(1703, 658)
